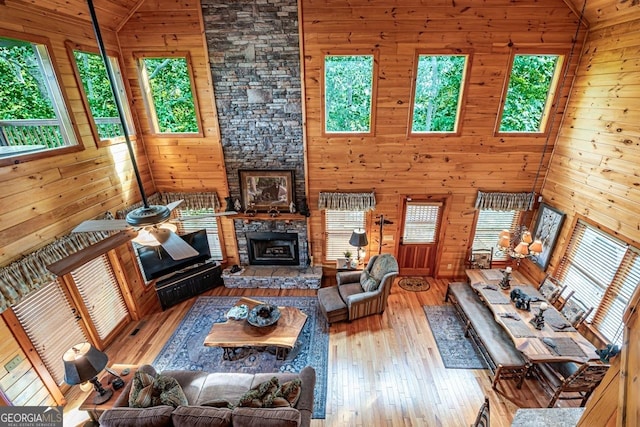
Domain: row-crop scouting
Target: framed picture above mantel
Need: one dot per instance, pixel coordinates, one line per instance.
(266, 189)
(547, 229)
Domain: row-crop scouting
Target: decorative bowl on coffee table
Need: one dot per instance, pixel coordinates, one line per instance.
(263, 315)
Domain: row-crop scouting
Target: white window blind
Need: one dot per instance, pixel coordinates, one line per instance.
(210, 224)
(338, 228)
(51, 324)
(101, 295)
(603, 272)
(490, 223)
(421, 222)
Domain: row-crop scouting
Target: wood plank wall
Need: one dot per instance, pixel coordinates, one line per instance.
(179, 163)
(391, 163)
(594, 172)
(44, 199)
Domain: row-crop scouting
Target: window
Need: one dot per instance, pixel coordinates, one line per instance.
(530, 92)
(437, 93)
(348, 93)
(98, 96)
(421, 222)
(338, 228)
(603, 272)
(490, 223)
(100, 292)
(36, 118)
(208, 223)
(51, 324)
(169, 94)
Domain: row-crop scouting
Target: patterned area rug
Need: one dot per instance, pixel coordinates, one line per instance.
(456, 350)
(184, 350)
(414, 284)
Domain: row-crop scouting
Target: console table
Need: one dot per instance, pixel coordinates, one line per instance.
(188, 283)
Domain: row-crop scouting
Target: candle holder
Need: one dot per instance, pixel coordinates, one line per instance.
(538, 319)
(505, 283)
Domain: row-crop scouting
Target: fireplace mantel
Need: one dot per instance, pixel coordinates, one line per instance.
(286, 217)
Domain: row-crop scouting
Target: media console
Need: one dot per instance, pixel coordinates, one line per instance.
(188, 283)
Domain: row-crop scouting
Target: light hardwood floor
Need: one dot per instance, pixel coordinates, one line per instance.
(384, 370)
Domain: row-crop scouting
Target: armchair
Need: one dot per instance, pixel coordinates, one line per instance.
(359, 293)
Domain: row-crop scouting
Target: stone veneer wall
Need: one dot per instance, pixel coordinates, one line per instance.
(255, 63)
(270, 226)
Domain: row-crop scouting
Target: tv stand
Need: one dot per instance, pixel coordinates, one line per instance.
(188, 283)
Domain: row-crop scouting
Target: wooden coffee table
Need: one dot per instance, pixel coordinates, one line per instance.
(234, 334)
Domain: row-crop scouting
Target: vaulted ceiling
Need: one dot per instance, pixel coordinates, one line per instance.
(113, 14)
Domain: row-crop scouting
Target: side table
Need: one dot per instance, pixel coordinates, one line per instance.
(94, 410)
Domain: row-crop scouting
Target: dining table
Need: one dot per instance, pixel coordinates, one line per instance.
(554, 340)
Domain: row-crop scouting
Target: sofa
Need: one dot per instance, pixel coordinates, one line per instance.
(359, 293)
(212, 399)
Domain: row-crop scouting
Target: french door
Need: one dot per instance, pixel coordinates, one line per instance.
(421, 232)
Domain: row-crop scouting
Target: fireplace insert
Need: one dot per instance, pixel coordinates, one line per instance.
(273, 248)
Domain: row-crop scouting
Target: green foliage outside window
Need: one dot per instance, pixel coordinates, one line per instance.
(172, 95)
(437, 94)
(348, 93)
(97, 88)
(528, 93)
(22, 83)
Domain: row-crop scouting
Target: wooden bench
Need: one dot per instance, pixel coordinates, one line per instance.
(497, 349)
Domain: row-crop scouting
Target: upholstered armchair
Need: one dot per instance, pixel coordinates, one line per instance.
(360, 293)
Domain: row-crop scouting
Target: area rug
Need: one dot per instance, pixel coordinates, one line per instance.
(185, 351)
(414, 284)
(456, 350)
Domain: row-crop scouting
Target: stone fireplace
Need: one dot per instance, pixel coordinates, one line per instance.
(273, 248)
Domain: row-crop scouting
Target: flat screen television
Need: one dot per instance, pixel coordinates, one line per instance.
(156, 262)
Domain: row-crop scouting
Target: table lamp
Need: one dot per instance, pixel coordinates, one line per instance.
(358, 239)
(83, 362)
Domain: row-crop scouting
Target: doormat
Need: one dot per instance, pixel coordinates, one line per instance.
(456, 350)
(414, 284)
(185, 349)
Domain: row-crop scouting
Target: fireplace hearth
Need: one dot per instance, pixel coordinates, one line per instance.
(269, 248)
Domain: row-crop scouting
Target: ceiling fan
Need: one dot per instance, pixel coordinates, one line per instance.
(151, 223)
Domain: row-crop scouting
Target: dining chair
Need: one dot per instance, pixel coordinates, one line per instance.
(482, 420)
(575, 311)
(579, 385)
(551, 289)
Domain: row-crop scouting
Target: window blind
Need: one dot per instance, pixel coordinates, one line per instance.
(421, 222)
(101, 295)
(50, 322)
(603, 272)
(209, 223)
(490, 223)
(338, 228)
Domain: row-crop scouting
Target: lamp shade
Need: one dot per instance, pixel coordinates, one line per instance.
(358, 238)
(536, 247)
(82, 362)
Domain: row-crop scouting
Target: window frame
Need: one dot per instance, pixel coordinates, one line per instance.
(147, 96)
(65, 108)
(327, 232)
(553, 96)
(124, 96)
(374, 91)
(468, 54)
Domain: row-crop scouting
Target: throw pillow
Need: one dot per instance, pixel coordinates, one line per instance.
(261, 395)
(288, 393)
(368, 282)
(147, 391)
